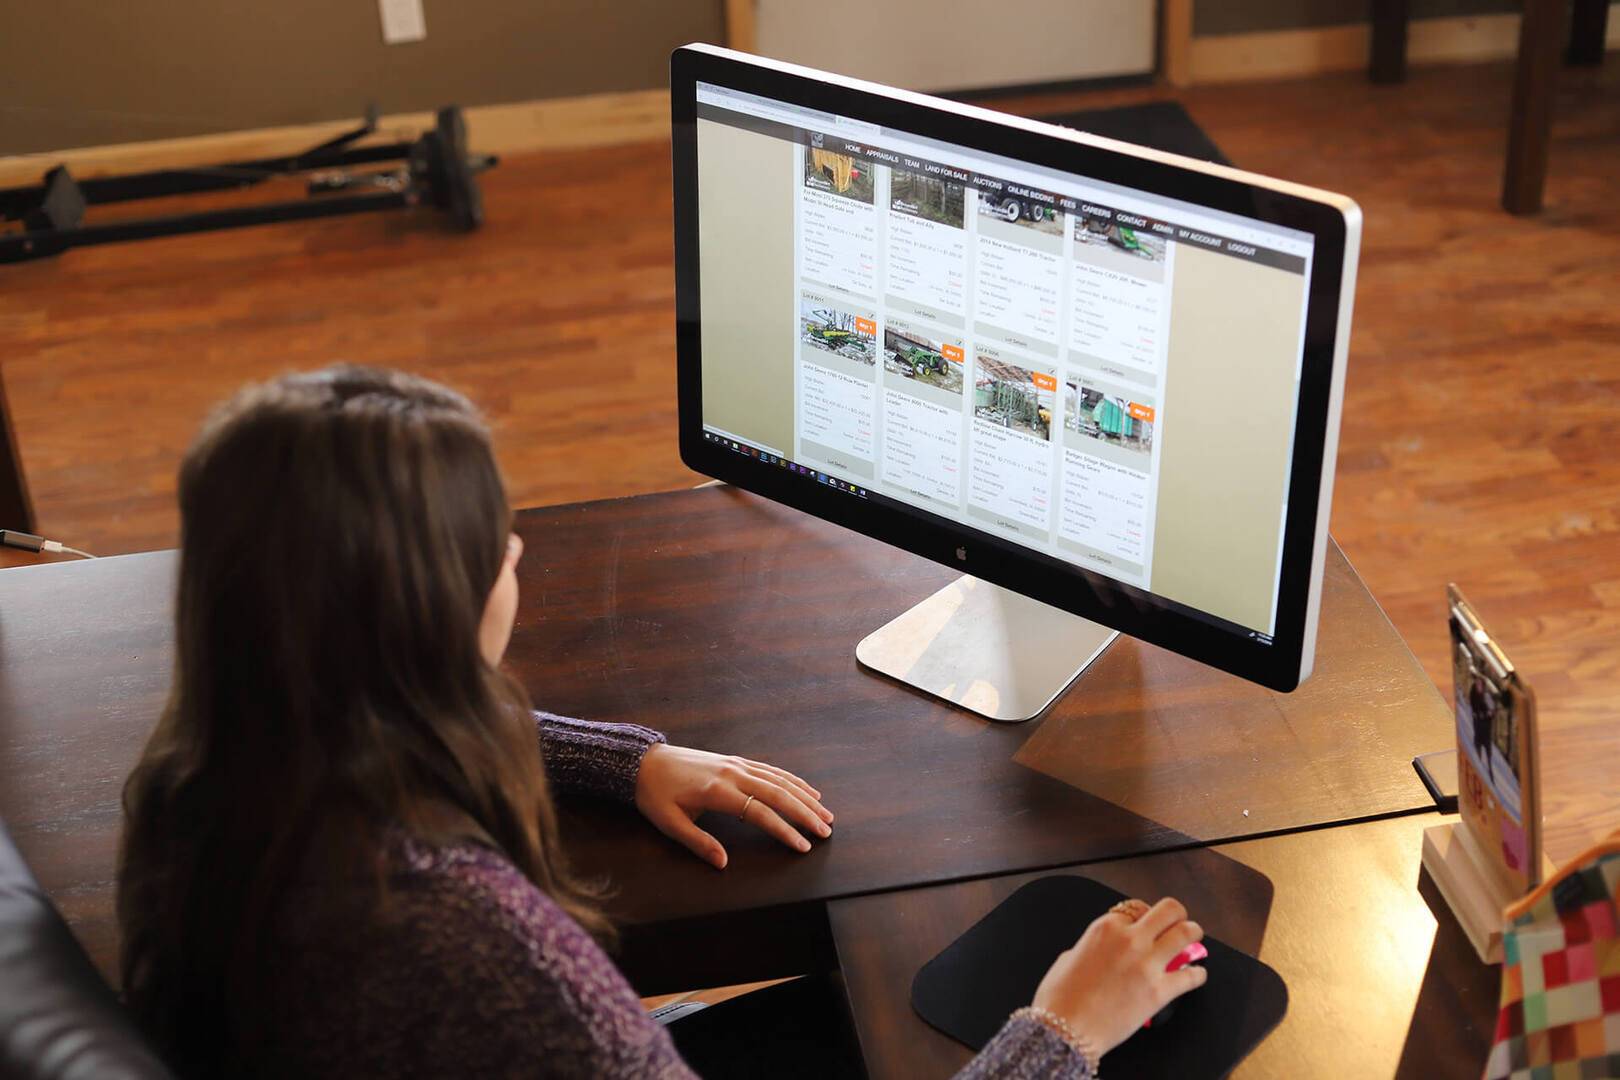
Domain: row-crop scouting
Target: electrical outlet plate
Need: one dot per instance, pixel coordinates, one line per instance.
(402, 21)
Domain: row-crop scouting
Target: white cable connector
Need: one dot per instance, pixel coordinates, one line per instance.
(58, 546)
(29, 542)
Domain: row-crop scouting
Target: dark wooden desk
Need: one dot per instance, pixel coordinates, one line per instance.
(731, 623)
(1378, 984)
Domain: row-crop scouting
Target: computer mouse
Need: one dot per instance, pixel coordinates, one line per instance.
(1190, 955)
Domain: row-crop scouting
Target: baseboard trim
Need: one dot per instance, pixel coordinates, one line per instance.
(1283, 54)
(558, 124)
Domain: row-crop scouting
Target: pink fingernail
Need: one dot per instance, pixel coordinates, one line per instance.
(1190, 954)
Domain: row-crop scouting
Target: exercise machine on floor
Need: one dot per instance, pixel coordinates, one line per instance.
(435, 170)
(45, 219)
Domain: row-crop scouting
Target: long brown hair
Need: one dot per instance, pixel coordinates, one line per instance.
(340, 534)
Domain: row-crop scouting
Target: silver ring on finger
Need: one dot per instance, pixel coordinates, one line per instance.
(743, 814)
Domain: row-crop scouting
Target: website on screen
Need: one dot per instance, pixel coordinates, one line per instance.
(1098, 374)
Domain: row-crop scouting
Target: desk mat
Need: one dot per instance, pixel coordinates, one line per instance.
(968, 990)
(1162, 125)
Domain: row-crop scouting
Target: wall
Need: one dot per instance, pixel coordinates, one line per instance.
(919, 44)
(1211, 17)
(89, 72)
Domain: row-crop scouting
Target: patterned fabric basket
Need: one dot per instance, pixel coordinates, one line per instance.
(1560, 1014)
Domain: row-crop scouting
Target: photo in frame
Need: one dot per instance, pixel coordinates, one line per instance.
(1497, 769)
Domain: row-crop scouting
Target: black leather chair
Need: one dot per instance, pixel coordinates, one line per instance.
(58, 1018)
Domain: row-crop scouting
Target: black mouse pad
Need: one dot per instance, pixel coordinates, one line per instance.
(968, 990)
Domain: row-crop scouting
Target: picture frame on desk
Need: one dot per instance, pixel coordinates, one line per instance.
(1493, 855)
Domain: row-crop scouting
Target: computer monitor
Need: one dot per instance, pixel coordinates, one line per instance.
(1102, 381)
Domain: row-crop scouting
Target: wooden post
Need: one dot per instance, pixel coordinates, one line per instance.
(1175, 42)
(741, 33)
(1389, 23)
(1530, 125)
(1588, 32)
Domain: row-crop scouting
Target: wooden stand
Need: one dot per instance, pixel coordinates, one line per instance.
(1476, 896)
(1475, 893)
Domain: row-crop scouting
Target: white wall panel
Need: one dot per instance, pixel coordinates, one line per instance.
(957, 46)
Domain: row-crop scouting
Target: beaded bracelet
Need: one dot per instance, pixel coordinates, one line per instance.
(1060, 1027)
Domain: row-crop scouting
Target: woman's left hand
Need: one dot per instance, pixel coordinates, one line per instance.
(677, 784)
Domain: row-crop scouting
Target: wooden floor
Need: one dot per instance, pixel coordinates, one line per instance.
(1481, 436)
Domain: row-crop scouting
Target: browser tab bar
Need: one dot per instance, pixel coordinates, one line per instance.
(849, 123)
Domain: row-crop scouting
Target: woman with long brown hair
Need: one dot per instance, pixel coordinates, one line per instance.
(340, 853)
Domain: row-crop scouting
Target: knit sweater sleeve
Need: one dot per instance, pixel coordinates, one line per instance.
(1025, 1049)
(590, 758)
(500, 981)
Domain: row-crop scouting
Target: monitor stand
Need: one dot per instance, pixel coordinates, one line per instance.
(990, 650)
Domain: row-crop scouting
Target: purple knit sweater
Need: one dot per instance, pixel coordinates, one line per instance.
(476, 972)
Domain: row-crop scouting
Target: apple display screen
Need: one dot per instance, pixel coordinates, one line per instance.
(1089, 371)
(1113, 394)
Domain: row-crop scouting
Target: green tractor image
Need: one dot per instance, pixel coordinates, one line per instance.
(915, 359)
(1127, 241)
(827, 335)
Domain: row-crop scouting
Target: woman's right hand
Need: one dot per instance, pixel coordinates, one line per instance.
(1113, 979)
